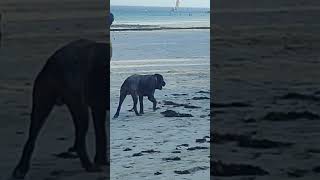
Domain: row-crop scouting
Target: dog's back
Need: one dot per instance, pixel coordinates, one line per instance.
(130, 84)
(134, 83)
(79, 64)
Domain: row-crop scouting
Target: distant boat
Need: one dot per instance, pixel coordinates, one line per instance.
(176, 6)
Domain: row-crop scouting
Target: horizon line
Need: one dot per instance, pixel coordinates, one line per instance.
(158, 6)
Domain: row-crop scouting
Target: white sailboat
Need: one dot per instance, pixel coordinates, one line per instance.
(177, 5)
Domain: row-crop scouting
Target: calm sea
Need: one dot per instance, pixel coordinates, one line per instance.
(137, 16)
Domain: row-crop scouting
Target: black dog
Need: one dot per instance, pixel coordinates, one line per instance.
(140, 85)
(75, 75)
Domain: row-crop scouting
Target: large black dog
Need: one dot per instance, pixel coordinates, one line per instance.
(75, 75)
(140, 85)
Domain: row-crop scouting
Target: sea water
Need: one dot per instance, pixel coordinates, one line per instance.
(183, 33)
(137, 16)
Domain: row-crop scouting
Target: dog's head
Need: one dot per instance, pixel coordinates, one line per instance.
(159, 81)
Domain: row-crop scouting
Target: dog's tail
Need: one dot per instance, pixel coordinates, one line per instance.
(124, 87)
(123, 90)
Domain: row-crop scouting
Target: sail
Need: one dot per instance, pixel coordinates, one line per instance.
(177, 4)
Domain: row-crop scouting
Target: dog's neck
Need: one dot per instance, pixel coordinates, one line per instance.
(156, 79)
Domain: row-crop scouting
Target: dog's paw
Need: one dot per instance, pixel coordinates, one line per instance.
(19, 173)
(101, 162)
(93, 168)
(72, 149)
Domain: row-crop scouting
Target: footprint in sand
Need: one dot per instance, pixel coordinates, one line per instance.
(66, 155)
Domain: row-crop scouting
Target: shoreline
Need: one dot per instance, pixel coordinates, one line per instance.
(159, 29)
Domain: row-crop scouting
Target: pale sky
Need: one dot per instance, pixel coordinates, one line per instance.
(165, 3)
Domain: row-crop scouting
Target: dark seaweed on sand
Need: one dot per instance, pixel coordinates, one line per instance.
(201, 140)
(222, 138)
(179, 94)
(171, 103)
(182, 172)
(172, 159)
(192, 170)
(196, 148)
(261, 144)
(137, 154)
(150, 151)
(127, 149)
(66, 155)
(227, 105)
(57, 172)
(222, 169)
(190, 106)
(297, 96)
(184, 145)
(247, 141)
(203, 92)
(249, 120)
(200, 98)
(171, 113)
(316, 169)
(313, 150)
(281, 116)
(297, 173)
(175, 152)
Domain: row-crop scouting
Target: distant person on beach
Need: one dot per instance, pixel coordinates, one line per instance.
(110, 21)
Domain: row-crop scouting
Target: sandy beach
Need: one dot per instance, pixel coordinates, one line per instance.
(32, 31)
(266, 90)
(152, 146)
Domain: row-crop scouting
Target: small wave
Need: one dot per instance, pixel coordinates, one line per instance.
(156, 28)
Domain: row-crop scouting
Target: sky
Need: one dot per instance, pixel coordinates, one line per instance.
(164, 3)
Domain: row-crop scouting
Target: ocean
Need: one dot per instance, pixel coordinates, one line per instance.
(137, 17)
(153, 33)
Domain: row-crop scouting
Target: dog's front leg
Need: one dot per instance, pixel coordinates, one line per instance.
(80, 116)
(99, 120)
(154, 101)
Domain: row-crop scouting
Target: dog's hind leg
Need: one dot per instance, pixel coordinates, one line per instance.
(43, 102)
(135, 102)
(141, 104)
(121, 99)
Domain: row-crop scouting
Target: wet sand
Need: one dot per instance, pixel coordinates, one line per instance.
(131, 134)
(266, 64)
